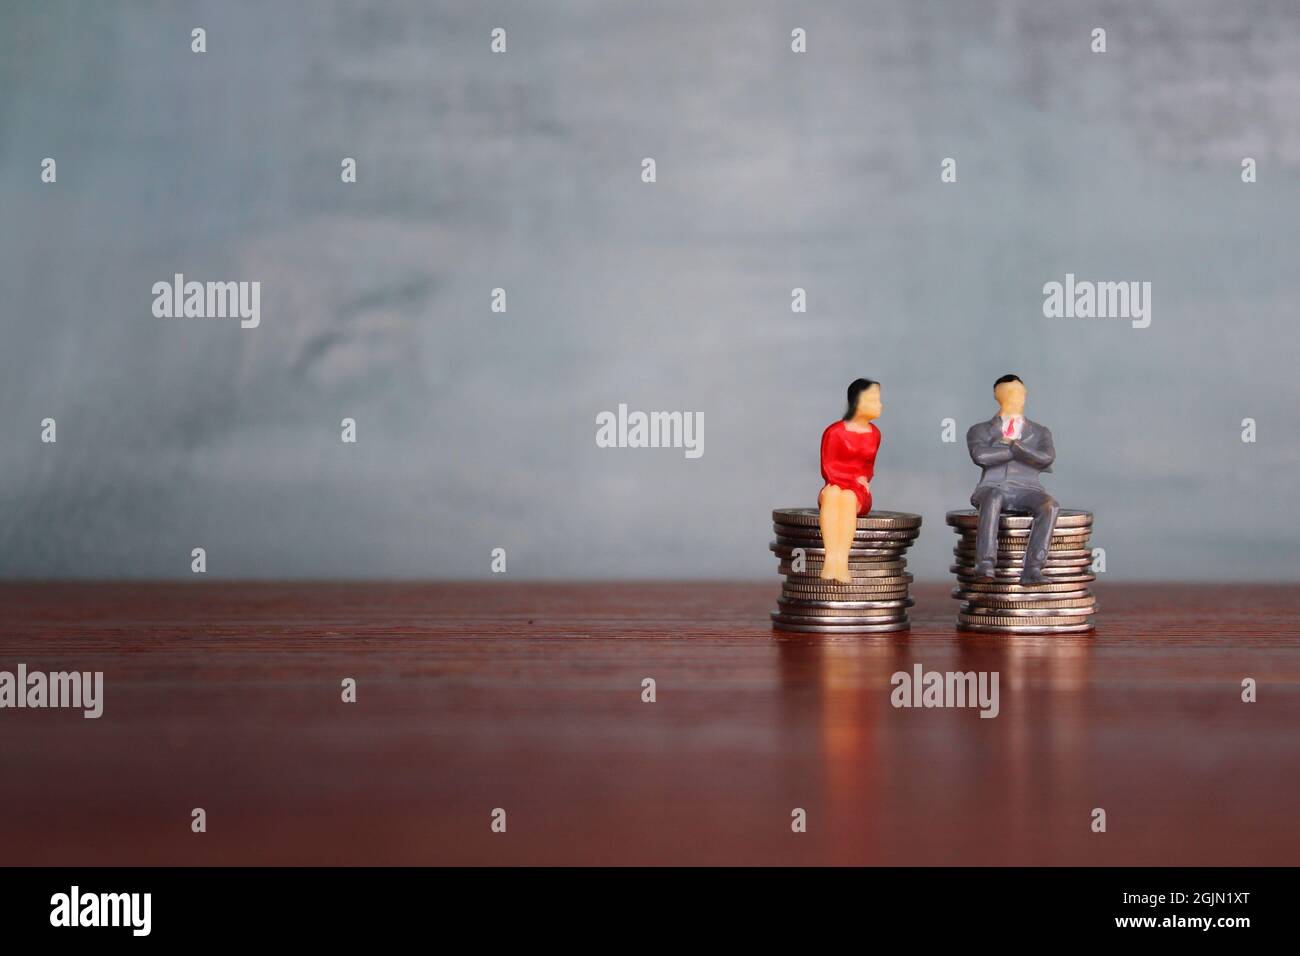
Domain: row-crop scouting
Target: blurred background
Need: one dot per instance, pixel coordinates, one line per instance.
(476, 430)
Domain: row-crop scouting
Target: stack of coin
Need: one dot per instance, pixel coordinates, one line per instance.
(877, 599)
(1003, 605)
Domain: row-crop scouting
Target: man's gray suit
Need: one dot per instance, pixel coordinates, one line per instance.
(1010, 483)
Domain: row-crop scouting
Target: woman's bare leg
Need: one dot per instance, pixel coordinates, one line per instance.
(828, 512)
(848, 526)
(838, 519)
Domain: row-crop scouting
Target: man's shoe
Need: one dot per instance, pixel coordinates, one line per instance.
(984, 569)
(1032, 576)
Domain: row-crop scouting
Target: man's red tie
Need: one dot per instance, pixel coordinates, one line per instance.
(1011, 426)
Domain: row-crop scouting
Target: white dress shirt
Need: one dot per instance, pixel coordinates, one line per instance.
(1012, 426)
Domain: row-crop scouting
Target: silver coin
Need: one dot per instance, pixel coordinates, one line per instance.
(837, 620)
(812, 534)
(1023, 530)
(839, 596)
(845, 591)
(1059, 566)
(1066, 518)
(1026, 629)
(859, 568)
(793, 604)
(987, 599)
(898, 547)
(881, 569)
(900, 582)
(1052, 585)
(977, 611)
(969, 539)
(823, 616)
(1019, 541)
(780, 625)
(789, 606)
(789, 602)
(891, 579)
(842, 590)
(1074, 550)
(1014, 568)
(875, 519)
(800, 529)
(785, 549)
(1004, 563)
(1005, 621)
(1069, 572)
(1071, 554)
(1014, 587)
(1053, 550)
(857, 604)
(967, 565)
(1059, 599)
(1008, 557)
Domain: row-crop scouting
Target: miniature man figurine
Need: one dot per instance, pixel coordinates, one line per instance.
(1012, 450)
(848, 456)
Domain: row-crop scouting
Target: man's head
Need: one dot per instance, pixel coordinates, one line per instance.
(1010, 394)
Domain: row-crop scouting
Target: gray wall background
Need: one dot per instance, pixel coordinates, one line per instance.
(523, 171)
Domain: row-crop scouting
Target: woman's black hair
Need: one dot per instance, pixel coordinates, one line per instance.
(859, 386)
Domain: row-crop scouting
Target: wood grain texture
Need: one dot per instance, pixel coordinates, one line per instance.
(527, 697)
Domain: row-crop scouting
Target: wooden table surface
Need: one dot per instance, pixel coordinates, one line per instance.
(527, 697)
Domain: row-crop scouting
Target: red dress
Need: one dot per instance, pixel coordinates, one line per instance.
(848, 455)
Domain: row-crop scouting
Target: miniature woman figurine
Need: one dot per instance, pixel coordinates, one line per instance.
(848, 463)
